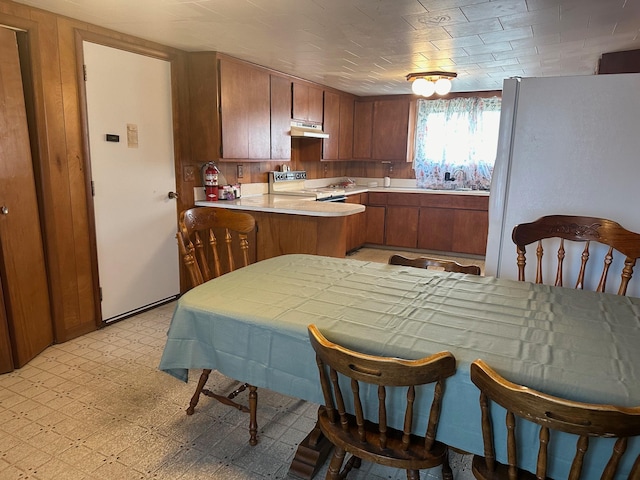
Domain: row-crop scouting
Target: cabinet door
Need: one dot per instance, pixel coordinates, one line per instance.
(362, 129)
(331, 126)
(375, 217)
(245, 111)
(345, 140)
(280, 121)
(390, 129)
(356, 225)
(470, 229)
(435, 229)
(316, 105)
(307, 103)
(401, 227)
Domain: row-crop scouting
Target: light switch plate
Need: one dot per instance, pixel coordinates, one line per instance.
(189, 173)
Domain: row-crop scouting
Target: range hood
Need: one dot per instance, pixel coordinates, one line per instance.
(307, 130)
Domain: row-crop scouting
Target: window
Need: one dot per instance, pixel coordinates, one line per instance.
(458, 137)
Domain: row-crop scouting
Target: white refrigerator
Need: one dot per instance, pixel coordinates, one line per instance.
(567, 145)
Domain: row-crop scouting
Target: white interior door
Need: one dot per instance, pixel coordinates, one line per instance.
(132, 165)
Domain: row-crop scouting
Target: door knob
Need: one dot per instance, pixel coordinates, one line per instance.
(173, 195)
(4, 210)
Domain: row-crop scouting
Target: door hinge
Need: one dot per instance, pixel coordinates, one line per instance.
(84, 72)
(100, 293)
(93, 189)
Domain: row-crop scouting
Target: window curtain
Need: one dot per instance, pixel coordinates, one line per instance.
(458, 136)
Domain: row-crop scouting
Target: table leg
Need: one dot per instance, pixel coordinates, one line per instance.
(311, 454)
(253, 409)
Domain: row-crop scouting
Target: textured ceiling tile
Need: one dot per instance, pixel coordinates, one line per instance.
(488, 48)
(497, 8)
(471, 40)
(437, 18)
(507, 35)
(537, 17)
(474, 28)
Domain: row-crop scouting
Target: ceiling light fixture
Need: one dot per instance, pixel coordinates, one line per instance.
(427, 83)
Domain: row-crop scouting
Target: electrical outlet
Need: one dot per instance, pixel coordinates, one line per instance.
(240, 171)
(189, 173)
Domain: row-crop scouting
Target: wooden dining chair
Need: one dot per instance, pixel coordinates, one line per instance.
(583, 420)
(214, 241)
(372, 439)
(577, 229)
(434, 263)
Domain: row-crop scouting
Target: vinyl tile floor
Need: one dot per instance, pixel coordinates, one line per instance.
(97, 407)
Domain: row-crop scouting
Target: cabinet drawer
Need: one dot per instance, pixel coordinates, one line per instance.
(377, 198)
(467, 202)
(404, 199)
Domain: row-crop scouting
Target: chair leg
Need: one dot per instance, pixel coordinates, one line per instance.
(413, 474)
(333, 472)
(253, 413)
(196, 396)
(353, 462)
(447, 474)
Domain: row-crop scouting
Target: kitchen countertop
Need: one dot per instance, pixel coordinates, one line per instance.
(287, 204)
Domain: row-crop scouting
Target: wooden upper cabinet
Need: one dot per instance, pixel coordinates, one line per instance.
(362, 129)
(280, 118)
(331, 126)
(307, 103)
(338, 123)
(204, 119)
(381, 129)
(345, 130)
(390, 129)
(245, 105)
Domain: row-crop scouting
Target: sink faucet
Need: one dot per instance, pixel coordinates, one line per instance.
(459, 176)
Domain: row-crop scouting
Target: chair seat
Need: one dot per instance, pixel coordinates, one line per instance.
(481, 472)
(414, 458)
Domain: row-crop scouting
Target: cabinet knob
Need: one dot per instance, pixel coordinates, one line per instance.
(4, 210)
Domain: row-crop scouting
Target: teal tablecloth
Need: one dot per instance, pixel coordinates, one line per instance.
(251, 325)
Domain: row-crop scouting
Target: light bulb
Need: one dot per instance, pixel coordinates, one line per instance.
(443, 86)
(422, 86)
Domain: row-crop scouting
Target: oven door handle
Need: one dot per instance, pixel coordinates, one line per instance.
(341, 199)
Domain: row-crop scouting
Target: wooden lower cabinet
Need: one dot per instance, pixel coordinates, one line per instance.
(452, 230)
(401, 226)
(356, 225)
(374, 231)
(446, 223)
(470, 229)
(434, 232)
(280, 234)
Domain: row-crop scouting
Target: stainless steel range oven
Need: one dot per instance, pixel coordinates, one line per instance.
(292, 183)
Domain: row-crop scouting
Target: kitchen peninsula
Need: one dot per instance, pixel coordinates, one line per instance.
(295, 225)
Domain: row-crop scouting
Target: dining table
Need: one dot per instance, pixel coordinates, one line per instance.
(251, 325)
